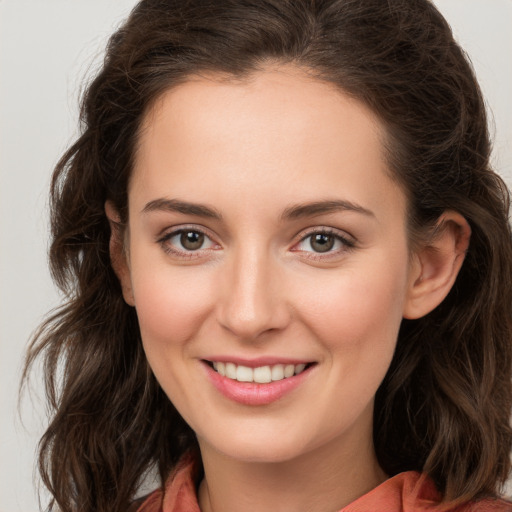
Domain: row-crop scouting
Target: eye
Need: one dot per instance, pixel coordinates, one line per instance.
(321, 242)
(324, 241)
(190, 240)
(185, 241)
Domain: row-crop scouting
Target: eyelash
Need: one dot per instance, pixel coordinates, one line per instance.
(346, 243)
(164, 241)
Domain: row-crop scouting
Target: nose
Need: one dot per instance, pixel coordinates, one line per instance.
(253, 300)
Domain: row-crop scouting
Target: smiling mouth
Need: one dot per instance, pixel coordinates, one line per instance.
(260, 374)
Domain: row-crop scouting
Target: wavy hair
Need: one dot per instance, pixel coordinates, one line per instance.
(444, 405)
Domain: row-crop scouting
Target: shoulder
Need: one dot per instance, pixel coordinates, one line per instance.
(415, 492)
(178, 493)
(149, 503)
(135, 505)
(487, 505)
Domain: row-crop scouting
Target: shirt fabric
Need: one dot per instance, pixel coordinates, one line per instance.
(406, 492)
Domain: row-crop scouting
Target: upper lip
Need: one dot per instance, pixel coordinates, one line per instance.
(258, 361)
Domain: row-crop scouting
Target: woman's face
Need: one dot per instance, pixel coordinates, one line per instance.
(266, 234)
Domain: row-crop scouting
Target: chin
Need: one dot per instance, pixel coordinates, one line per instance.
(271, 449)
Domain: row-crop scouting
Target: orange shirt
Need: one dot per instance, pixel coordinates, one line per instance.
(406, 492)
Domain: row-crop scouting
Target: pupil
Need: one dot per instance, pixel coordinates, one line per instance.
(322, 242)
(191, 240)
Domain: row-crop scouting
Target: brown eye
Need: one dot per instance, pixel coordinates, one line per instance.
(187, 243)
(191, 240)
(322, 242)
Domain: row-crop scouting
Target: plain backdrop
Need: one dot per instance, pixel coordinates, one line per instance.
(48, 48)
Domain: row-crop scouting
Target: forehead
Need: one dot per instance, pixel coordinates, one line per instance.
(285, 93)
(275, 101)
(278, 130)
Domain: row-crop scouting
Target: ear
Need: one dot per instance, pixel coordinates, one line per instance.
(118, 255)
(437, 264)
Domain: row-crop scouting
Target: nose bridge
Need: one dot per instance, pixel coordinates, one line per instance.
(252, 300)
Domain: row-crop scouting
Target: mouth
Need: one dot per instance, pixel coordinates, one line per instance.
(260, 374)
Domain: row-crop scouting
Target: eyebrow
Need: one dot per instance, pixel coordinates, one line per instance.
(321, 207)
(290, 213)
(175, 205)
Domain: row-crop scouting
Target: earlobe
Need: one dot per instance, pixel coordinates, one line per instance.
(437, 264)
(118, 256)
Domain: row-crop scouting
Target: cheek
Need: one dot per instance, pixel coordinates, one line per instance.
(356, 321)
(360, 312)
(170, 305)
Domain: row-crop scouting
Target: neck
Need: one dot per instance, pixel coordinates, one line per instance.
(323, 480)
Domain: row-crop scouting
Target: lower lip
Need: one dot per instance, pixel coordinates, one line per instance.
(252, 393)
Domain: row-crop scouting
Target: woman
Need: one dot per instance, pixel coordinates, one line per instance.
(288, 264)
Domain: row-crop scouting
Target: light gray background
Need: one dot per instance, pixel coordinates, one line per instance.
(47, 48)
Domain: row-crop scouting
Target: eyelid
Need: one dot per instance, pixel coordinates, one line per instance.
(168, 233)
(348, 241)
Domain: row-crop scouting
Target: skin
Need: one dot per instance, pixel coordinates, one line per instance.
(250, 151)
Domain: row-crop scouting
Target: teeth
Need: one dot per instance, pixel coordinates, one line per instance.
(221, 368)
(230, 370)
(289, 370)
(299, 368)
(261, 374)
(244, 374)
(277, 372)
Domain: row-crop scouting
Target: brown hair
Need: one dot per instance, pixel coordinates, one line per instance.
(444, 405)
